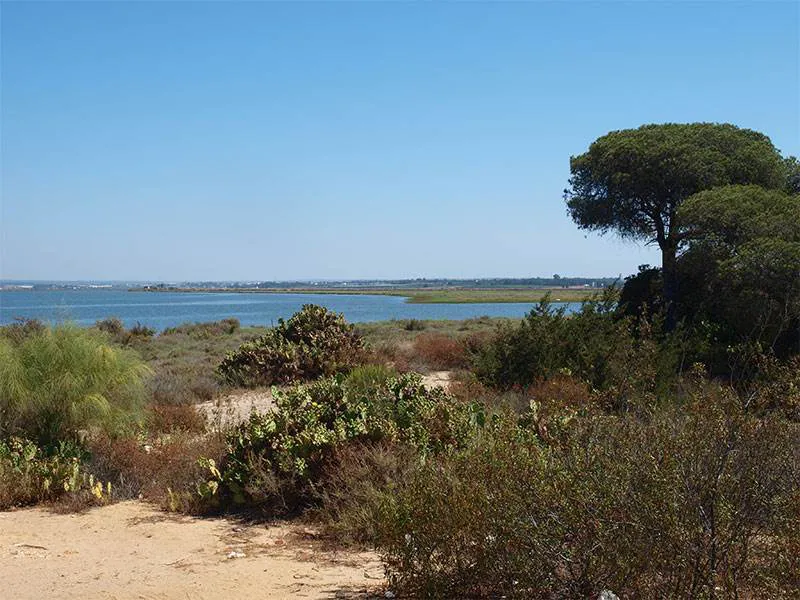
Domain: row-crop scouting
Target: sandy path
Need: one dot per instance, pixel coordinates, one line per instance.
(236, 407)
(131, 550)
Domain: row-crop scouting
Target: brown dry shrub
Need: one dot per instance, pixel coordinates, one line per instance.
(398, 356)
(466, 387)
(556, 395)
(777, 389)
(440, 351)
(354, 481)
(563, 392)
(169, 418)
(166, 472)
(695, 502)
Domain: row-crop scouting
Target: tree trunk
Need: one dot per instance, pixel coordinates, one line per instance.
(669, 273)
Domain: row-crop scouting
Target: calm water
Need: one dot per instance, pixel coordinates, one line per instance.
(165, 309)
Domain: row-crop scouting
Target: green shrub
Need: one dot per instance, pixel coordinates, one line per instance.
(276, 459)
(367, 381)
(64, 380)
(619, 358)
(29, 475)
(548, 341)
(314, 342)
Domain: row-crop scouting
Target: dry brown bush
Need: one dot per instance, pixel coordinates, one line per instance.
(440, 351)
(169, 418)
(165, 472)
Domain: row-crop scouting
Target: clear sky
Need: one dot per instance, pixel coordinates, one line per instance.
(178, 141)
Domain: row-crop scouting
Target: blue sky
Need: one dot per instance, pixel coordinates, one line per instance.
(177, 141)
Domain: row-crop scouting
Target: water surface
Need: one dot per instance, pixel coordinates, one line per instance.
(167, 309)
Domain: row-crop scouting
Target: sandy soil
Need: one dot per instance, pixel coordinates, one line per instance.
(236, 408)
(132, 550)
(438, 379)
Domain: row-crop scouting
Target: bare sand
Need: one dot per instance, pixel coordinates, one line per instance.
(131, 550)
(236, 407)
(440, 379)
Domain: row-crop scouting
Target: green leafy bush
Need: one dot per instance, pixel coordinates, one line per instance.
(63, 380)
(29, 475)
(276, 459)
(314, 342)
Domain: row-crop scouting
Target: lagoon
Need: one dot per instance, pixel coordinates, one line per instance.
(168, 309)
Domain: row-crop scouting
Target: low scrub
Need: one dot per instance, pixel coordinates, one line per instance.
(692, 503)
(276, 460)
(61, 382)
(776, 387)
(353, 483)
(413, 325)
(115, 329)
(205, 331)
(314, 342)
(21, 329)
(30, 475)
(169, 471)
(186, 384)
(618, 358)
(171, 418)
(439, 351)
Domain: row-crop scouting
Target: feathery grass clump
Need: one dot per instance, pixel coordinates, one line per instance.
(63, 380)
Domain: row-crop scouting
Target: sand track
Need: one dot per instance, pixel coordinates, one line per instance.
(131, 550)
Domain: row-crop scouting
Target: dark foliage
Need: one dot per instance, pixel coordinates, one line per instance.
(314, 342)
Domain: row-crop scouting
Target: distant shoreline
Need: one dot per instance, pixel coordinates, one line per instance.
(412, 295)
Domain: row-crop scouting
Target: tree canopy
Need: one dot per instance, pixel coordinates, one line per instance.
(632, 181)
(743, 254)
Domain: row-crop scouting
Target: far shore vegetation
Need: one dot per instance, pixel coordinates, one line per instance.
(415, 295)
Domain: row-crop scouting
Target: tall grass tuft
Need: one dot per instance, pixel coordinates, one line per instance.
(63, 380)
